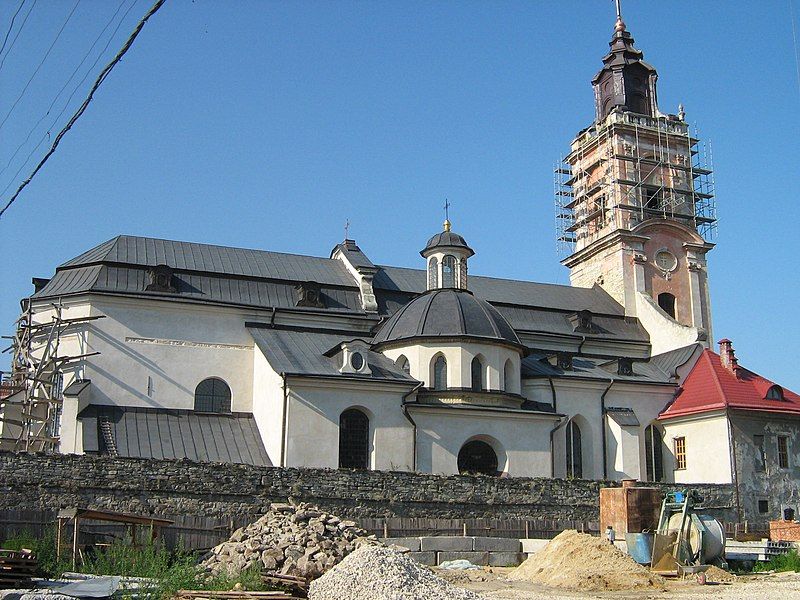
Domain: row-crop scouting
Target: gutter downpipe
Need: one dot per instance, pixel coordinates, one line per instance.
(734, 465)
(413, 425)
(285, 425)
(561, 422)
(603, 427)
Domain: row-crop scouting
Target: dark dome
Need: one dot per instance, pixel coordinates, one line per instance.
(446, 238)
(447, 313)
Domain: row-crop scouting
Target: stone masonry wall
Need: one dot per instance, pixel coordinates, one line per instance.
(181, 487)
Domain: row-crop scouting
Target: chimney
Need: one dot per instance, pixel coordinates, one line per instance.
(727, 355)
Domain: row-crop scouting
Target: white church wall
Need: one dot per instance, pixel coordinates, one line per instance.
(521, 442)
(314, 408)
(707, 448)
(268, 406)
(665, 333)
(154, 354)
(459, 358)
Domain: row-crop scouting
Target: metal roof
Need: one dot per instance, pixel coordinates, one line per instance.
(309, 353)
(536, 365)
(447, 313)
(166, 433)
(218, 262)
(670, 361)
(447, 239)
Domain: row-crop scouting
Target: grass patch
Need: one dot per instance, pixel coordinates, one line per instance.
(173, 570)
(782, 562)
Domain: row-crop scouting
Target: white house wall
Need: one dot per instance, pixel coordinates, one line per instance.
(268, 406)
(521, 442)
(153, 354)
(708, 456)
(314, 408)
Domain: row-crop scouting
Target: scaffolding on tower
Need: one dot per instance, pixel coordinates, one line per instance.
(629, 169)
(30, 413)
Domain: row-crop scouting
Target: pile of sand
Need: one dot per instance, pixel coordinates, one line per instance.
(716, 575)
(575, 560)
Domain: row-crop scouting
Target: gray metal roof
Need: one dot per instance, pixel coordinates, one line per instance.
(215, 261)
(447, 313)
(310, 353)
(531, 319)
(447, 239)
(165, 433)
(670, 361)
(535, 365)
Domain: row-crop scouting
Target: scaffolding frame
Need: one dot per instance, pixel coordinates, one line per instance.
(37, 370)
(629, 169)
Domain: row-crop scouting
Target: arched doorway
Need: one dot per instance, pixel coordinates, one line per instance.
(477, 457)
(574, 451)
(353, 440)
(654, 463)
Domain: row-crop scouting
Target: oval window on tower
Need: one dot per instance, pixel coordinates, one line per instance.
(666, 261)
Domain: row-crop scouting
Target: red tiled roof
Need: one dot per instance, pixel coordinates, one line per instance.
(710, 386)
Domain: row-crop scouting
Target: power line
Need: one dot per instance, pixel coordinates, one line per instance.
(61, 91)
(11, 27)
(16, 36)
(103, 74)
(39, 66)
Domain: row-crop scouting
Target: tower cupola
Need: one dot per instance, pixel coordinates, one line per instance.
(446, 254)
(625, 81)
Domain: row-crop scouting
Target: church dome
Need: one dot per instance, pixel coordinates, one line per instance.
(447, 239)
(447, 313)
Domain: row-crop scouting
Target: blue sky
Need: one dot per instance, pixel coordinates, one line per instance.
(268, 124)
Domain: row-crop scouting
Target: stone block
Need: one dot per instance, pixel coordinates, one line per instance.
(476, 558)
(532, 546)
(446, 544)
(505, 559)
(412, 543)
(494, 544)
(424, 558)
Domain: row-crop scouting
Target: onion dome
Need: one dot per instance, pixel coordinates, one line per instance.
(447, 313)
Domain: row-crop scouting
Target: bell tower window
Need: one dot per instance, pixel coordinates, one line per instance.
(449, 271)
(667, 303)
(433, 273)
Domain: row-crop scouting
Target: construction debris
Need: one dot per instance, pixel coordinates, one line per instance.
(17, 568)
(299, 540)
(575, 560)
(378, 573)
(716, 575)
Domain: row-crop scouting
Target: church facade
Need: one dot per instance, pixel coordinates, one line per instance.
(249, 356)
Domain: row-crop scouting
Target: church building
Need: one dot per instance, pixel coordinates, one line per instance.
(172, 349)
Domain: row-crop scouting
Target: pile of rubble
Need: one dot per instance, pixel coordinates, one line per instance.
(379, 573)
(291, 539)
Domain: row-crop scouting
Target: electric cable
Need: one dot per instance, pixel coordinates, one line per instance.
(16, 35)
(103, 74)
(41, 62)
(11, 27)
(61, 91)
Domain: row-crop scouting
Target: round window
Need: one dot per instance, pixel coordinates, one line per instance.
(357, 360)
(666, 261)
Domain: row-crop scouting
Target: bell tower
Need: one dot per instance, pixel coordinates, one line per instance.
(634, 203)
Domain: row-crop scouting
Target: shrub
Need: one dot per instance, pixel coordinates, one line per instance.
(781, 562)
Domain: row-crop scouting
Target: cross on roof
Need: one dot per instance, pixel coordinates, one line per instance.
(347, 229)
(446, 209)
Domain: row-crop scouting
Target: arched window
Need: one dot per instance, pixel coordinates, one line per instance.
(449, 271)
(653, 443)
(667, 303)
(477, 457)
(433, 273)
(403, 364)
(508, 376)
(462, 273)
(574, 452)
(775, 393)
(440, 373)
(477, 375)
(212, 395)
(353, 440)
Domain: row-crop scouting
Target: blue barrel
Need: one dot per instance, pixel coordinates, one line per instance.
(640, 547)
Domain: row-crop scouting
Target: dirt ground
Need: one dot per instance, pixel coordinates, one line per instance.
(494, 585)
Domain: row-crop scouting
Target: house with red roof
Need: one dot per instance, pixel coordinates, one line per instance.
(728, 424)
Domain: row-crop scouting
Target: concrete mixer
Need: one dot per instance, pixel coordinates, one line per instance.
(685, 540)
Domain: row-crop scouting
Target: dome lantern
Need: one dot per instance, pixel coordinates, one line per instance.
(446, 254)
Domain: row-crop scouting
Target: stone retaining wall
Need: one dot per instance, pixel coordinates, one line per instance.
(181, 487)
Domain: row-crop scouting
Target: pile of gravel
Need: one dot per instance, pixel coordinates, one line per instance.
(379, 573)
(299, 540)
